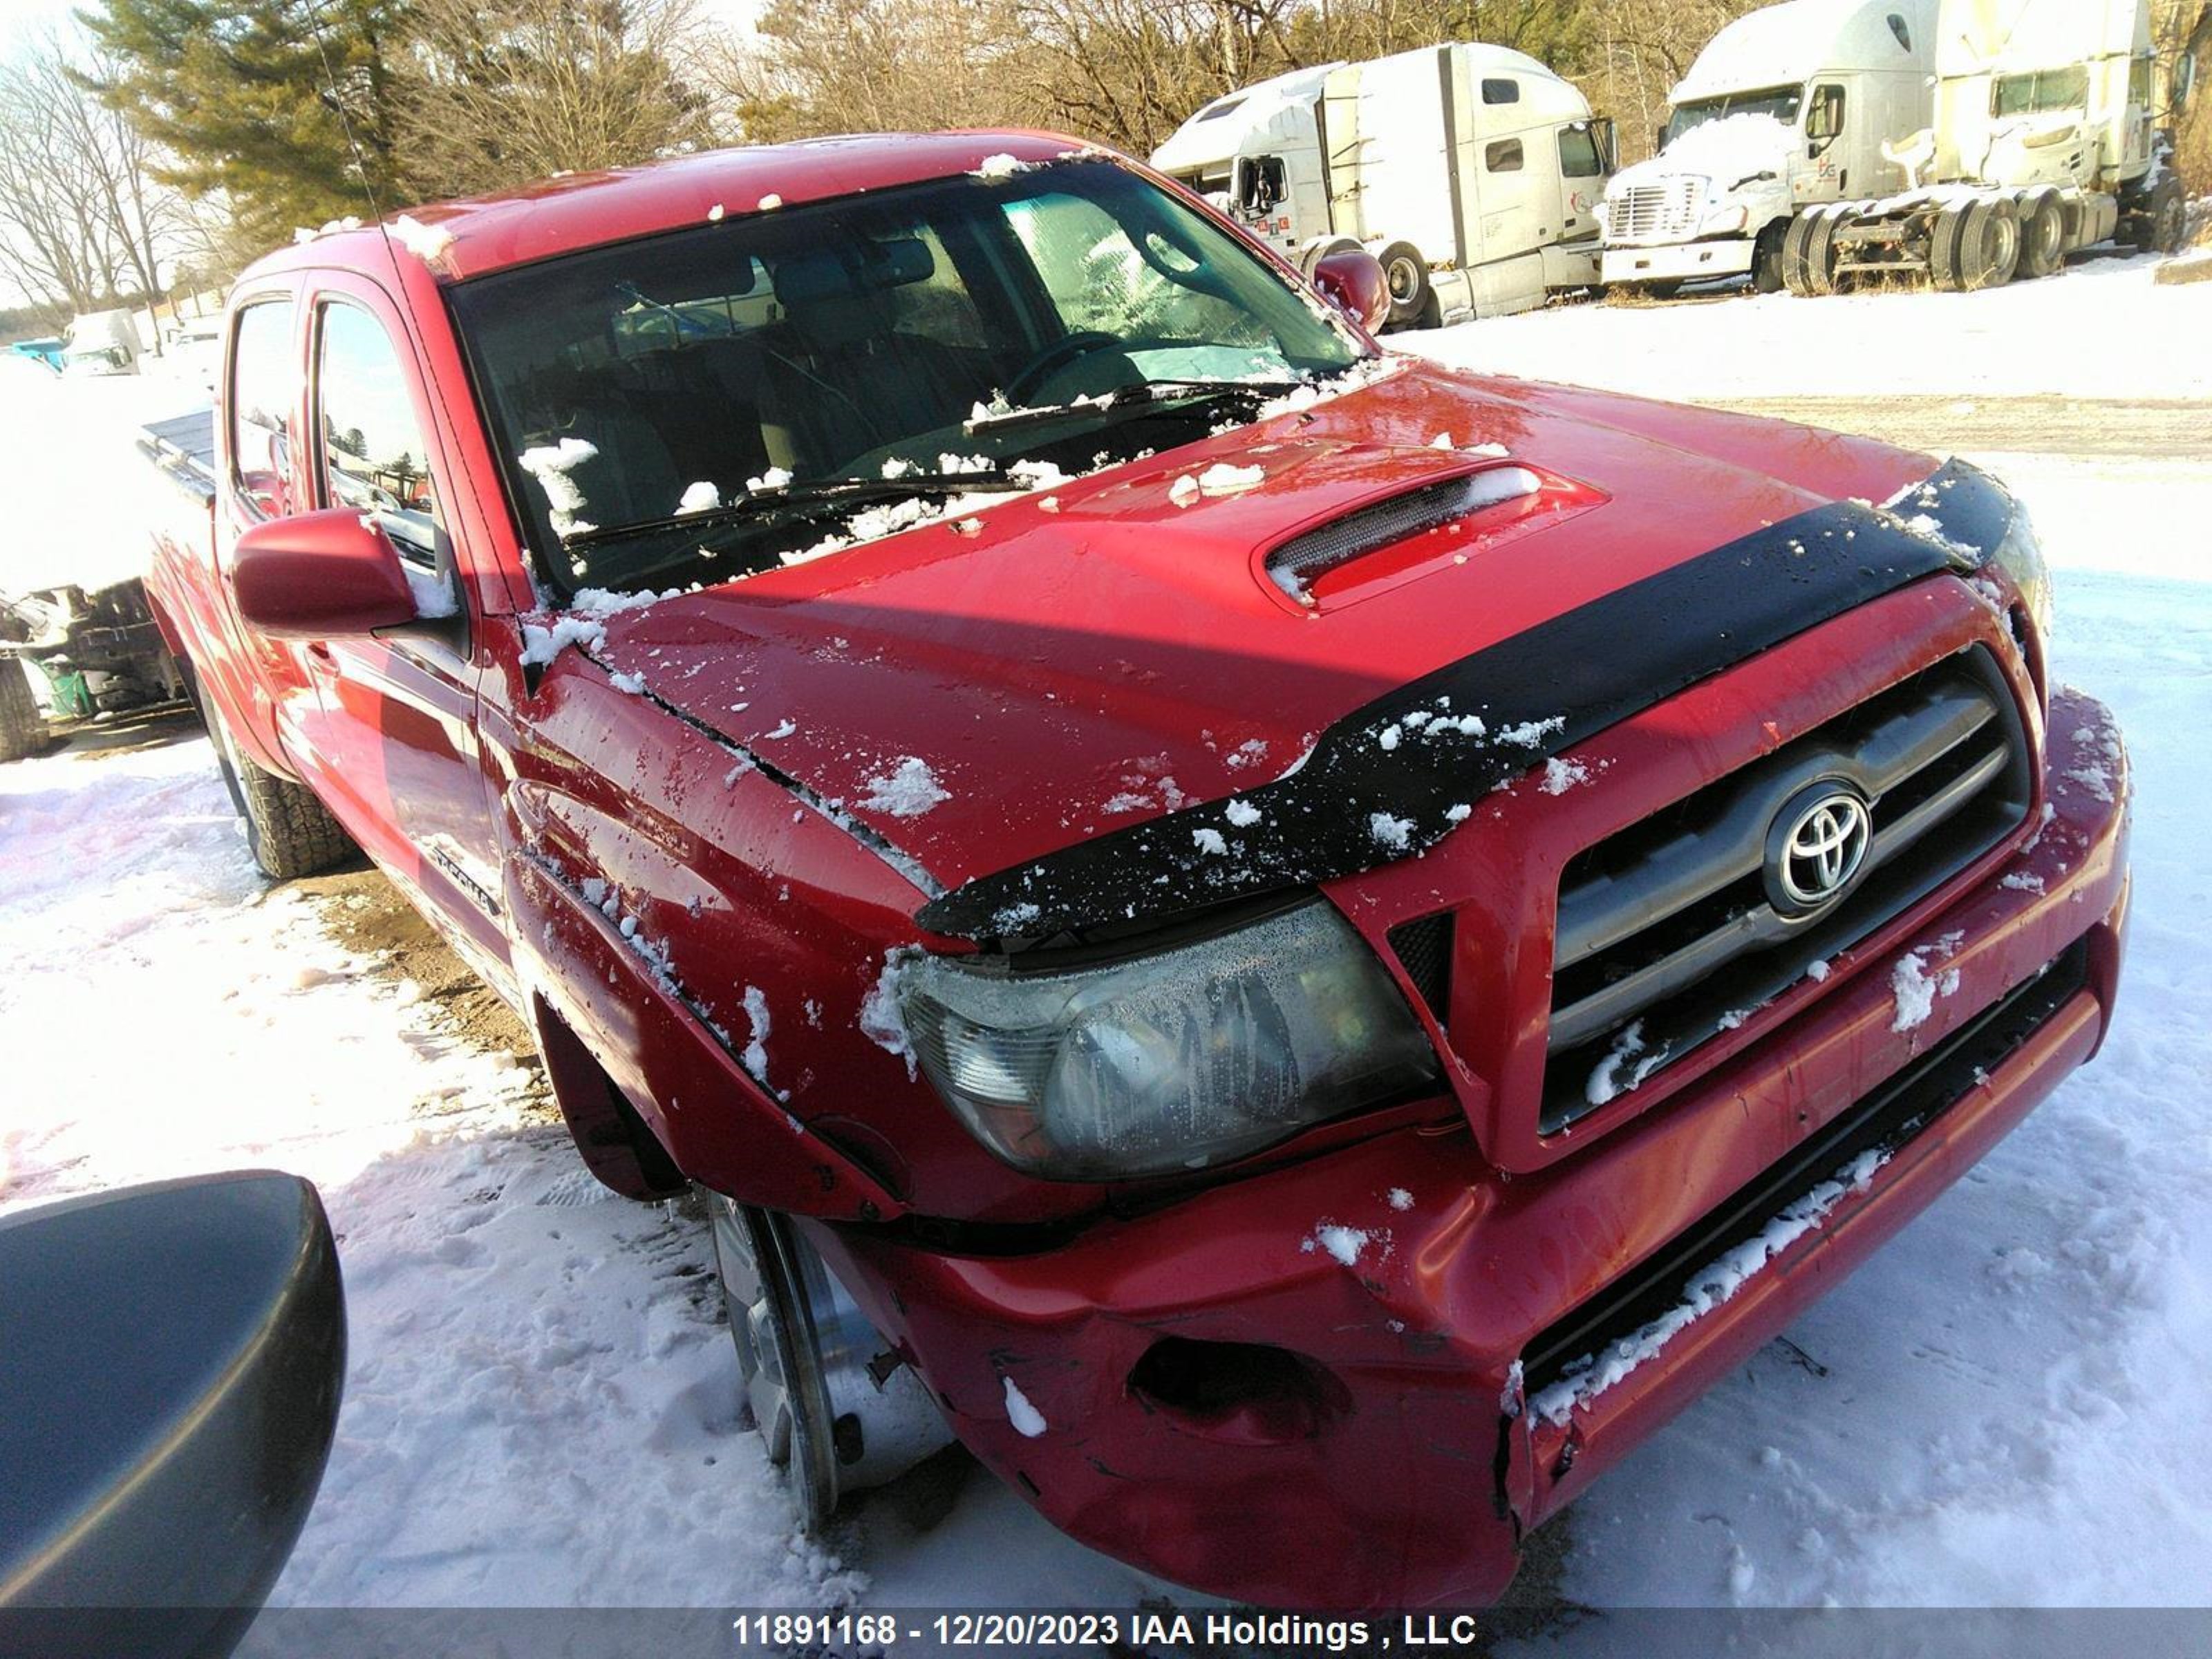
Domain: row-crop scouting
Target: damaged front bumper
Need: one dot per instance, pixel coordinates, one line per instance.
(1359, 1380)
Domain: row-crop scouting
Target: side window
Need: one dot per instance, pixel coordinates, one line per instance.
(1503, 156)
(1825, 120)
(1578, 157)
(262, 384)
(2139, 83)
(373, 453)
(1501, 92)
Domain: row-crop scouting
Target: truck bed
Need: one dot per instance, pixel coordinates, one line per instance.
(183, 449)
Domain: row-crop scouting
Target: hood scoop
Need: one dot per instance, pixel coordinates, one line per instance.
(1504, 494)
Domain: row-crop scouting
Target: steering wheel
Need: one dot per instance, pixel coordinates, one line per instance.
(1057, 355)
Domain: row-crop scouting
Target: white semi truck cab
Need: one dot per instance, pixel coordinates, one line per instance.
(1473, 172)
(1787, 109)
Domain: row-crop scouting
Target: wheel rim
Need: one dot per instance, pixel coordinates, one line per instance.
(2003, 254)
(1404, 277)
(807, 1359)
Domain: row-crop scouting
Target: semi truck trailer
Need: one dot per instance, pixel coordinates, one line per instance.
(1472, 171)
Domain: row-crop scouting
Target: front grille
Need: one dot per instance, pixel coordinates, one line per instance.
(1884, 1121)
(1666, 211)
(1669, 932)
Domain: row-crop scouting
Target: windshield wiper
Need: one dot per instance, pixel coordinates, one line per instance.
(794, 501)
(1142, 395)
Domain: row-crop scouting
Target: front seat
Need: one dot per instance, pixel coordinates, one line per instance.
(847, 381)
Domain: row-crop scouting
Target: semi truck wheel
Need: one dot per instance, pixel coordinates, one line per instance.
(1943, 248)
(2164, 221)
(2042, 236)
(809, 1361)
(1989, 245)
(1795, 274)
(1820, 254)
(1766, 258)
(22, 728)
(289, 831)
(1407, 274)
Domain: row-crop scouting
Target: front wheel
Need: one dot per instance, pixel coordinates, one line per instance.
(2165, 225)
(836, 1410)
(1766, 274)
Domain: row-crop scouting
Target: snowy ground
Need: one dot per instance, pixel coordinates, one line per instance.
(2006, 1407)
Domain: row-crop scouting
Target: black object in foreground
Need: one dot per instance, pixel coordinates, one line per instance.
(169, 1381)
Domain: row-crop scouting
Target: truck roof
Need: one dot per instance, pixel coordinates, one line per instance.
(1785, 44)
(460, 240)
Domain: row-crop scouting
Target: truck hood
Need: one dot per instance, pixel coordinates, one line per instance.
(1740, 157)
(982, 691)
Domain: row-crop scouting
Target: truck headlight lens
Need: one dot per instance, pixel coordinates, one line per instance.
(1176, 1060)
(1724, 222)
(2020, 556)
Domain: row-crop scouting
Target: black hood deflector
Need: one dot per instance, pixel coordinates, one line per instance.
(1383, 783)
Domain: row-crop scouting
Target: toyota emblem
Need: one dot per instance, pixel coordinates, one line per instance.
(1818, 848)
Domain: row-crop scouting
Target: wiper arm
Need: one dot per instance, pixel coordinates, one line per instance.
(1141, 395)
(791, 502)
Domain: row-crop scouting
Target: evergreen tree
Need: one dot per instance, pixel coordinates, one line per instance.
(283, 107)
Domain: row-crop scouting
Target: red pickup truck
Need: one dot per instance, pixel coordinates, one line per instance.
(1298, 945)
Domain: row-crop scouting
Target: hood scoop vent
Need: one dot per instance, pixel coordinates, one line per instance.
(1304, 559)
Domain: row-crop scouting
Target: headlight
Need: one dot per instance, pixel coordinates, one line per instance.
(1174, 1060)
(2020, 556)
(1724, 222)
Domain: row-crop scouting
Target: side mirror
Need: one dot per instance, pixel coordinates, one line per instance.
(168, 1388)
(321, 575)
(1352, 280)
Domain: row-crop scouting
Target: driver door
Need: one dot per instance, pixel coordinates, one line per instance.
(395, 726)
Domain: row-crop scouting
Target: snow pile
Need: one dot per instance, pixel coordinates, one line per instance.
(1222, 479)
(1342, 1244)
(1719, 1281)
(550, 465)
(1028, 1420)
(1392, 834)
(1624, 1067)
(880, 1021)
(755, 1057)
(1916, 989)
(428, 243)
(997, 169)
(701, 497)
(908, 791)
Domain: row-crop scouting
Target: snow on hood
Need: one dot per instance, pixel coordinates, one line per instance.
(1726, 151)
(1062, 674)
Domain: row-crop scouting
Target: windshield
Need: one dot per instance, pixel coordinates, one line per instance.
(664, 405)
(1782, 103)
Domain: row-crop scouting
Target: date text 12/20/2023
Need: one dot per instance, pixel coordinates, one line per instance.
(847, 1635)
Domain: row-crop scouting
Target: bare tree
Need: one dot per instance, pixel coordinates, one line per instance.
(495, 92)
(81, 217)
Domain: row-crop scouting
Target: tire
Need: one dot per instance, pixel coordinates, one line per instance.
(1795, 273)
(2042, 237)
(1820, 255)
(1666, 288)
(1989, 245)
(289, 831)
(2165, 222)
(1407, 274)
(1766, 259)
(1943, 248)
(22, 727)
